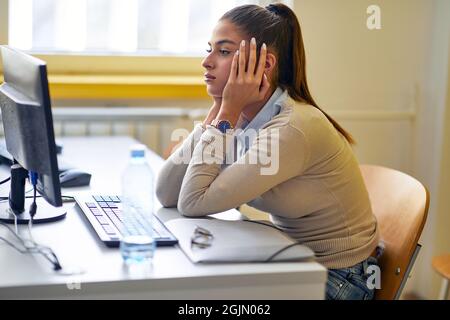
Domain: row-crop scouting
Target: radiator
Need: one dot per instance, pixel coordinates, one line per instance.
(151, 126)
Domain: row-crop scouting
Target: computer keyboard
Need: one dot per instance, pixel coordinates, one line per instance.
(105, 216)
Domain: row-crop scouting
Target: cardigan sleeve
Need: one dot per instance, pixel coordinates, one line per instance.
(275, 156)
(170, 177)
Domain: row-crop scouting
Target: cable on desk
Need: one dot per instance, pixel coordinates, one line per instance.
(3, 198)
(66, 198)
(33, 206)
(282, 250)
(32, 247)
(5, 180)
(275, 227)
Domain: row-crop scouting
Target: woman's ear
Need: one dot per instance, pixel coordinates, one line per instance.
(271, 62)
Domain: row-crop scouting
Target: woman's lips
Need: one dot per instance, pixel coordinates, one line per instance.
(209, 78)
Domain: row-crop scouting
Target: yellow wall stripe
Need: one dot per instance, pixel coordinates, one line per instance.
(126, 91)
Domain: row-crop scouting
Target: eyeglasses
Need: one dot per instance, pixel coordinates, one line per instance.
(202, 238)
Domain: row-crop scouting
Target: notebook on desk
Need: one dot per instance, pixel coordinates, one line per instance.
(219, 241)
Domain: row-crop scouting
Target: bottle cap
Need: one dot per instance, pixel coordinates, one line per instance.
(138, 151)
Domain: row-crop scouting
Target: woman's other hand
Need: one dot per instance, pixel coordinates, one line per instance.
(213, 111)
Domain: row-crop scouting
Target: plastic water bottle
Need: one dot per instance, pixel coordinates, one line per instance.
(137, 244)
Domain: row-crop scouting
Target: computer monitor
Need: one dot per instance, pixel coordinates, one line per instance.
(28, 129)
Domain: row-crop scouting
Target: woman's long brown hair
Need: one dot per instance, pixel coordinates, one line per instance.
(278, 27)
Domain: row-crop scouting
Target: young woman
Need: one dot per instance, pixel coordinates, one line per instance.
(313, 188)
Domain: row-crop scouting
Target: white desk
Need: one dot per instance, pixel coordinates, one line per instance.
(172, 275)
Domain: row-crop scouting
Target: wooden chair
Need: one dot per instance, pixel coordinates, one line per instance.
(400, 204)
(442, 266)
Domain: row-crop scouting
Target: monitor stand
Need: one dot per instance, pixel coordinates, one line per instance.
(17, 206)
(45, 212)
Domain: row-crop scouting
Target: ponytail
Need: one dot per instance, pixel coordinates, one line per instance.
(292, 63)
(278, 26)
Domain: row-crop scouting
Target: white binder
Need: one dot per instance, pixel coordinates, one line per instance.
(237, 241)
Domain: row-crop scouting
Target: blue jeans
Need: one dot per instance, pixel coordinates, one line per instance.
(350, 283)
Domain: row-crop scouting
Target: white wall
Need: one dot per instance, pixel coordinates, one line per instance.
(432, 149)
(374, 72)
(441, 240)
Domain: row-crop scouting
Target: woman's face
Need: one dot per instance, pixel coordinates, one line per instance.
(222, 46)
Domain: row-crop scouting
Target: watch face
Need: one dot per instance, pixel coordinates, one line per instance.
(223, 126)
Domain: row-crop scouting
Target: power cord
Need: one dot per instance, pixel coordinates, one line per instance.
(64, 198)
(31, 246)
(275, 227)
(5, 180)
(33, 206)
(282, 250)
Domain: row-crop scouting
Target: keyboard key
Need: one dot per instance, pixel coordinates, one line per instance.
(119, 217)
(109, 229)
(106, 198)
(91, 205)
(103, 204)
(96, 212)
(115, 198)
(112, 204)
(115, 220)
(102, 219)
(98, 198)
(118, 212)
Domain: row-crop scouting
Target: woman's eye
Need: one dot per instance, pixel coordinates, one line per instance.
(222, 52)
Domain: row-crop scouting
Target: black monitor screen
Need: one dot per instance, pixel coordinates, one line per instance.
(27, 120)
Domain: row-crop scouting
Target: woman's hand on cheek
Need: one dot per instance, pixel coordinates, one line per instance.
(249, 86)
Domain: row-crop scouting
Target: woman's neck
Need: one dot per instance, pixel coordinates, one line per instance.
(250, 111)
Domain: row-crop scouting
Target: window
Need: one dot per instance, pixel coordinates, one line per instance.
(147, 48)
(141, 27)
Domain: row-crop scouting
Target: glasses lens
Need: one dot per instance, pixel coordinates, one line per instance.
(201, 241)
(202, 231)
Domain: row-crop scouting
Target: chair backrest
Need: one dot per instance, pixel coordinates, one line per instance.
(400, 204)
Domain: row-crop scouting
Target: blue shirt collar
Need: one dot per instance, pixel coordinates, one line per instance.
(268, 111)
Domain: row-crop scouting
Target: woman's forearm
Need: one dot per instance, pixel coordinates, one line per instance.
(171, 175)
(213, 111)
(229, 113)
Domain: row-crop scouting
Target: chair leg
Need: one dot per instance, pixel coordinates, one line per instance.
(443, 295)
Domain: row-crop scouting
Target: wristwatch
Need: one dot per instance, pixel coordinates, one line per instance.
(222, 125)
